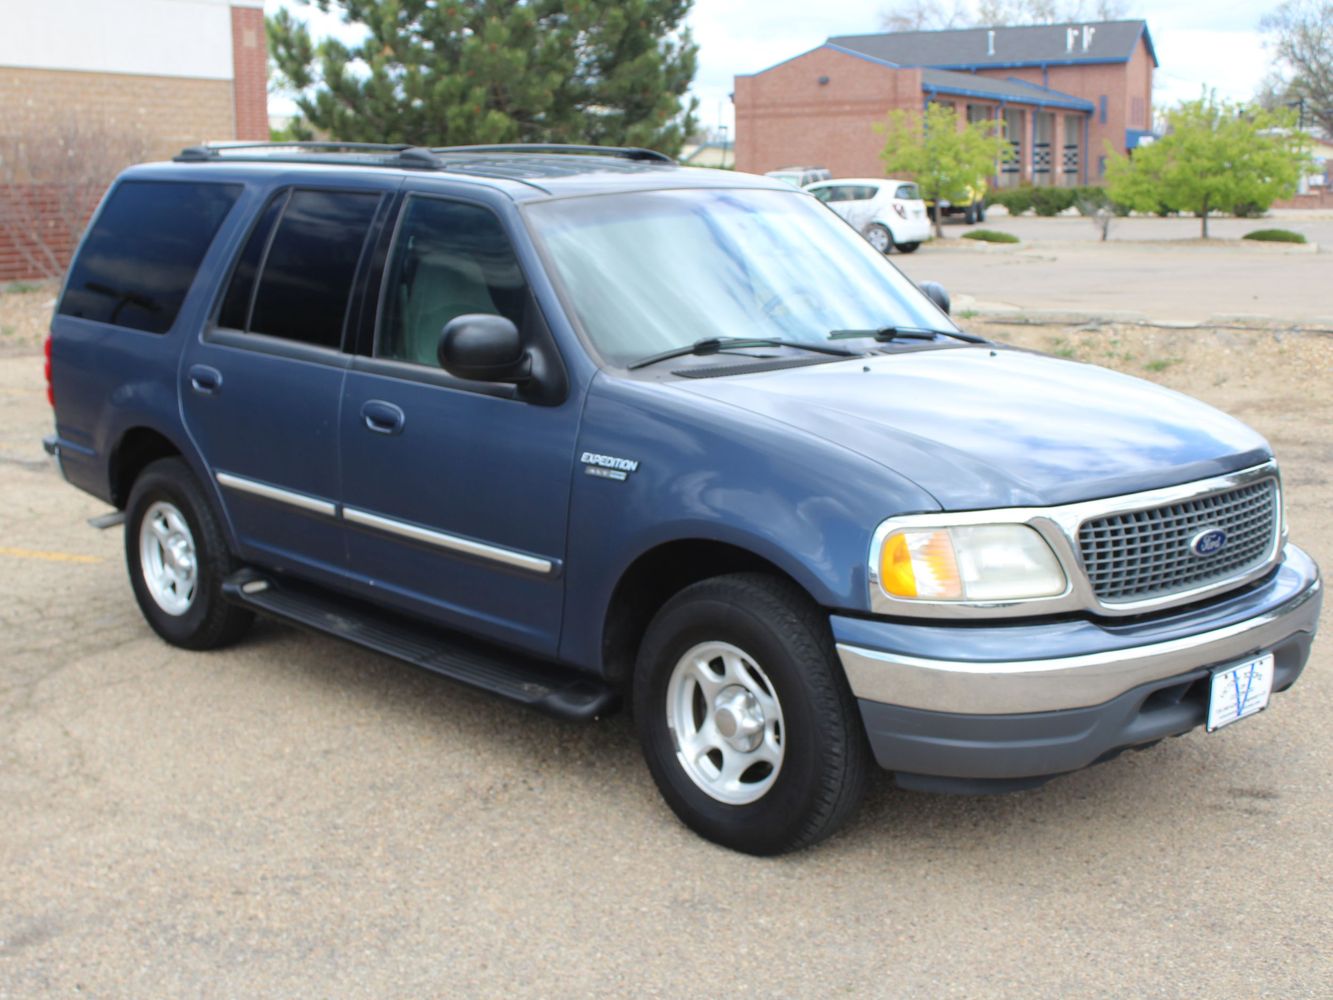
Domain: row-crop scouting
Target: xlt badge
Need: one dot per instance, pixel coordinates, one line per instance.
(608, 466)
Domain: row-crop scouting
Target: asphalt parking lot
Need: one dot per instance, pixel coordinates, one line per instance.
(1153, 269)
(295, 817)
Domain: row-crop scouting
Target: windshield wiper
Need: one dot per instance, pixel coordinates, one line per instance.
(712, 345)
(887, 333)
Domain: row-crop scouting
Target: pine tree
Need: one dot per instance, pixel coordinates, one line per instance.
(455, 72)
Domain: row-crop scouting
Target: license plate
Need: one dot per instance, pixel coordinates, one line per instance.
(1240, 691)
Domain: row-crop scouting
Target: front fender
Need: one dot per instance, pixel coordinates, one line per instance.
(707, 470)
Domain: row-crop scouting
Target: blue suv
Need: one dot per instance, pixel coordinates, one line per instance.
(580, 426)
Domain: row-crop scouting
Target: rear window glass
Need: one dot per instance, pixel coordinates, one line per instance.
(143, 252)
(907, 192)
(307, 275)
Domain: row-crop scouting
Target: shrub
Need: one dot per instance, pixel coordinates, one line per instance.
(1275, 236)
(990, 236)
(1048, 201)
(1090, 198)
(1016, 200)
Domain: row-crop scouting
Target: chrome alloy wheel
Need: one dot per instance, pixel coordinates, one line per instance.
(167, 558)
(726, 721)
(879, 238)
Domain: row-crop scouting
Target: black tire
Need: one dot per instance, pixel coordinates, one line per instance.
(906, 247)
(970, 215)
(981, 211)
(209, 621)
(825, 765)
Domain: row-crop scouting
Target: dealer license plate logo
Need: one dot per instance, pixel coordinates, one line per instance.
(1240, 691)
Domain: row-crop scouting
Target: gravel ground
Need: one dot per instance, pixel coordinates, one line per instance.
(296, 817)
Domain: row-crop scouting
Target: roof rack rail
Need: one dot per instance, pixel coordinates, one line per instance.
(624, 152)
(395, 154)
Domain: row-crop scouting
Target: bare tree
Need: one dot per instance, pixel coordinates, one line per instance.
(51, 178)
(1300, 34)
(925, 15)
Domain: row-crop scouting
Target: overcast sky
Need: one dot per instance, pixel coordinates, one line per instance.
(1198, 42)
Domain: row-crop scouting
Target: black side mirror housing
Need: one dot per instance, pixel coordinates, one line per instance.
(935, 292)
(484, 348)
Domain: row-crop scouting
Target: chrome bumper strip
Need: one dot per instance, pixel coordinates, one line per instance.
(1001, 688)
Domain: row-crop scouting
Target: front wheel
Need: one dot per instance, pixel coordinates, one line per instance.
(906, 247)
(745, 718)
(879, 236)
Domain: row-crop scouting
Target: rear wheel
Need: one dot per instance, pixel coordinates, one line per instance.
(177, 558)
(906, 247)
(745, 718)
(970, 214)
(879, 236)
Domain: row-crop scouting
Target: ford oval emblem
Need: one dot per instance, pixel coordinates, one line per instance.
(1208, 542)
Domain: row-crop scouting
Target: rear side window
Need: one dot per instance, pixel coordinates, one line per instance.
(294, 281)
(142, 253)
(907, 192)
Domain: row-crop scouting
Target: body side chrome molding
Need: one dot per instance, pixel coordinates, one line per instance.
(306, 502)
(453, 543)
(1014, 686)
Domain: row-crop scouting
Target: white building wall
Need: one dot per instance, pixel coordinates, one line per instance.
(188, 38)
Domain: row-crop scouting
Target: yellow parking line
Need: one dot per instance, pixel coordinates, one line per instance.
(48, 556)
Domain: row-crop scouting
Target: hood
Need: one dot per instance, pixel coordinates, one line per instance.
(981, 427)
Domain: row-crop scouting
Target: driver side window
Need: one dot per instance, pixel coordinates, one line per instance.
(448, 259)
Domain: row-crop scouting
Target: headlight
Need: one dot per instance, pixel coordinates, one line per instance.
(983, 562)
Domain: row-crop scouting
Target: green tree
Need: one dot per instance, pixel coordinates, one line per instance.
(436, 73)
(1215, 157)
(946, 161)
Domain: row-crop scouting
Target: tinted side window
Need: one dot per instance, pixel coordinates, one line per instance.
(448, 259)
(142, 254)
(907, 192)
(824, 194)
(307, 275)
(241, 292)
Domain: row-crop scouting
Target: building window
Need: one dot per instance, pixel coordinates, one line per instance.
(1070, 160)
(1101, 109)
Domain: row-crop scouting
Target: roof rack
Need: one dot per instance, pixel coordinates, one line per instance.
(381, 154)
(367, 153)
(623, 152)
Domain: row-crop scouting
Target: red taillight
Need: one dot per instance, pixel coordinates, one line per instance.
(50, 389)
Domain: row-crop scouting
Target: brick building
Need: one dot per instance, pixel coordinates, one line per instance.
(1061, 92)
(87, 86)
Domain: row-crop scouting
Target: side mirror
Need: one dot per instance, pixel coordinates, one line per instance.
(484, 348)
(935, 292)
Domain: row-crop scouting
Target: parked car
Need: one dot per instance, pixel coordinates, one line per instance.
(579, 426)
(887, 212)
(800, 176)
(972, 208)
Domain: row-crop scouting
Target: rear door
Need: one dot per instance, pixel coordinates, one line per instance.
(261, 389)
(455, 493)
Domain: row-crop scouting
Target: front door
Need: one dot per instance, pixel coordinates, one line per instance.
(455, 493)
(261, 390)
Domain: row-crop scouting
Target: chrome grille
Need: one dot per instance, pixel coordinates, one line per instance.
(1146, 553)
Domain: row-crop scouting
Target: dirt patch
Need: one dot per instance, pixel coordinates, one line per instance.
(25, 315)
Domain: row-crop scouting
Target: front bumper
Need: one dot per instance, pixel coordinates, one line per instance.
(944, 701)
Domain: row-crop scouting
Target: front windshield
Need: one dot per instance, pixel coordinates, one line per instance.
(650, 271)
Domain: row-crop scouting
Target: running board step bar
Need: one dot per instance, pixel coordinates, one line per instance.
(546, 687)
